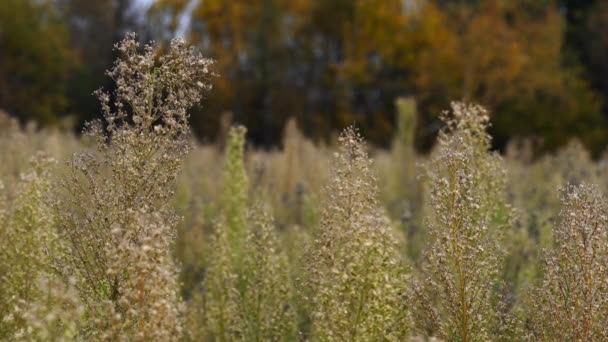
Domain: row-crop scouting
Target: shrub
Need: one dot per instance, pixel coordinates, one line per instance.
(114, 205)
(572, 302)
(149, 306)
(456, 297)
(355, 275)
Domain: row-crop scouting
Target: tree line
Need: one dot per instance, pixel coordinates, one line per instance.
(540, 66)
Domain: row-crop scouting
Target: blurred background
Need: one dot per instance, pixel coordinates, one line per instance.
(539, 66)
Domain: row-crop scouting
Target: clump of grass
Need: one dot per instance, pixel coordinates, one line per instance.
(355, 277)
(572, 302)
(468, 215)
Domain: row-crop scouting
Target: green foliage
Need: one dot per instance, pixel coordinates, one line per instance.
(57, 315)
(406, 122)
(406, 199)
(404, 186)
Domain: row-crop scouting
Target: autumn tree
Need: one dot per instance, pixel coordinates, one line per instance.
(586, 41)
(328, 63)
(35, 60)
(94, 27)
(508, 56)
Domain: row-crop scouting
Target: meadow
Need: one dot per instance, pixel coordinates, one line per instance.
(133, 231)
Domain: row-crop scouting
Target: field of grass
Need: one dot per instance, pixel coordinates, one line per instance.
(134, 232)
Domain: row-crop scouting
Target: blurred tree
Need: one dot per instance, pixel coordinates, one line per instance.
(596, 47)
(587, 40)
(35, 60)
(334, 63)
(540, 66)
(328, 63)
(375, 45)
(245, 37)
(507, 55)
(94, 27)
